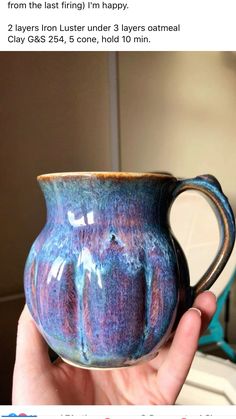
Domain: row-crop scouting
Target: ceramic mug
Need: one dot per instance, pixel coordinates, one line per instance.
(106, 281)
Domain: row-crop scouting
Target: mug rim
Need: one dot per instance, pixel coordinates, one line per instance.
(104, 175)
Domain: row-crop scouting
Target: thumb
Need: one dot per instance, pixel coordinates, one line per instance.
(31, 348)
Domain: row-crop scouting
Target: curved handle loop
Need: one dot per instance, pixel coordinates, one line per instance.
(210, 187)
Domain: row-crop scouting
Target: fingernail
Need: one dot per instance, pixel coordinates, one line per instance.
(197, 310)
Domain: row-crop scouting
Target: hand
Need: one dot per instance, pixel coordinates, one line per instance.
(37, 381)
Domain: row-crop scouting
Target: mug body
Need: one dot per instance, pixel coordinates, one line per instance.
(105, 281)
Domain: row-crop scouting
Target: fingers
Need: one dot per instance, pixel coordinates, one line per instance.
(31, 349)
(174, 370)
(206, 302)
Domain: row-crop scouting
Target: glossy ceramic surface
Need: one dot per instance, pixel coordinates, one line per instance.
(105, 280)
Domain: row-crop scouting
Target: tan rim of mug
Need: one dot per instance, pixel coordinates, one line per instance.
(105, 175)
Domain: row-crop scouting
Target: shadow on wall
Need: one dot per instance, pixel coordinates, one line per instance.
(54, 117)
(229, 59)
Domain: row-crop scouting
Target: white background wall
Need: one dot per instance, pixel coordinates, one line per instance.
(178, 114)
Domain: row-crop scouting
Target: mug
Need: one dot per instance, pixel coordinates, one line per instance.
(106, 281)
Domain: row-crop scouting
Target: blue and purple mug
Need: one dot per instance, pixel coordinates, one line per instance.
(106, 281)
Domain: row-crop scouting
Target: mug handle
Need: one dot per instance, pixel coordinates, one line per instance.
(210, 187)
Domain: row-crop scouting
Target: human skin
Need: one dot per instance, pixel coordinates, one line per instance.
(37, 381)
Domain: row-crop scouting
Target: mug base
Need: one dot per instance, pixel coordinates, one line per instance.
(93, 368)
